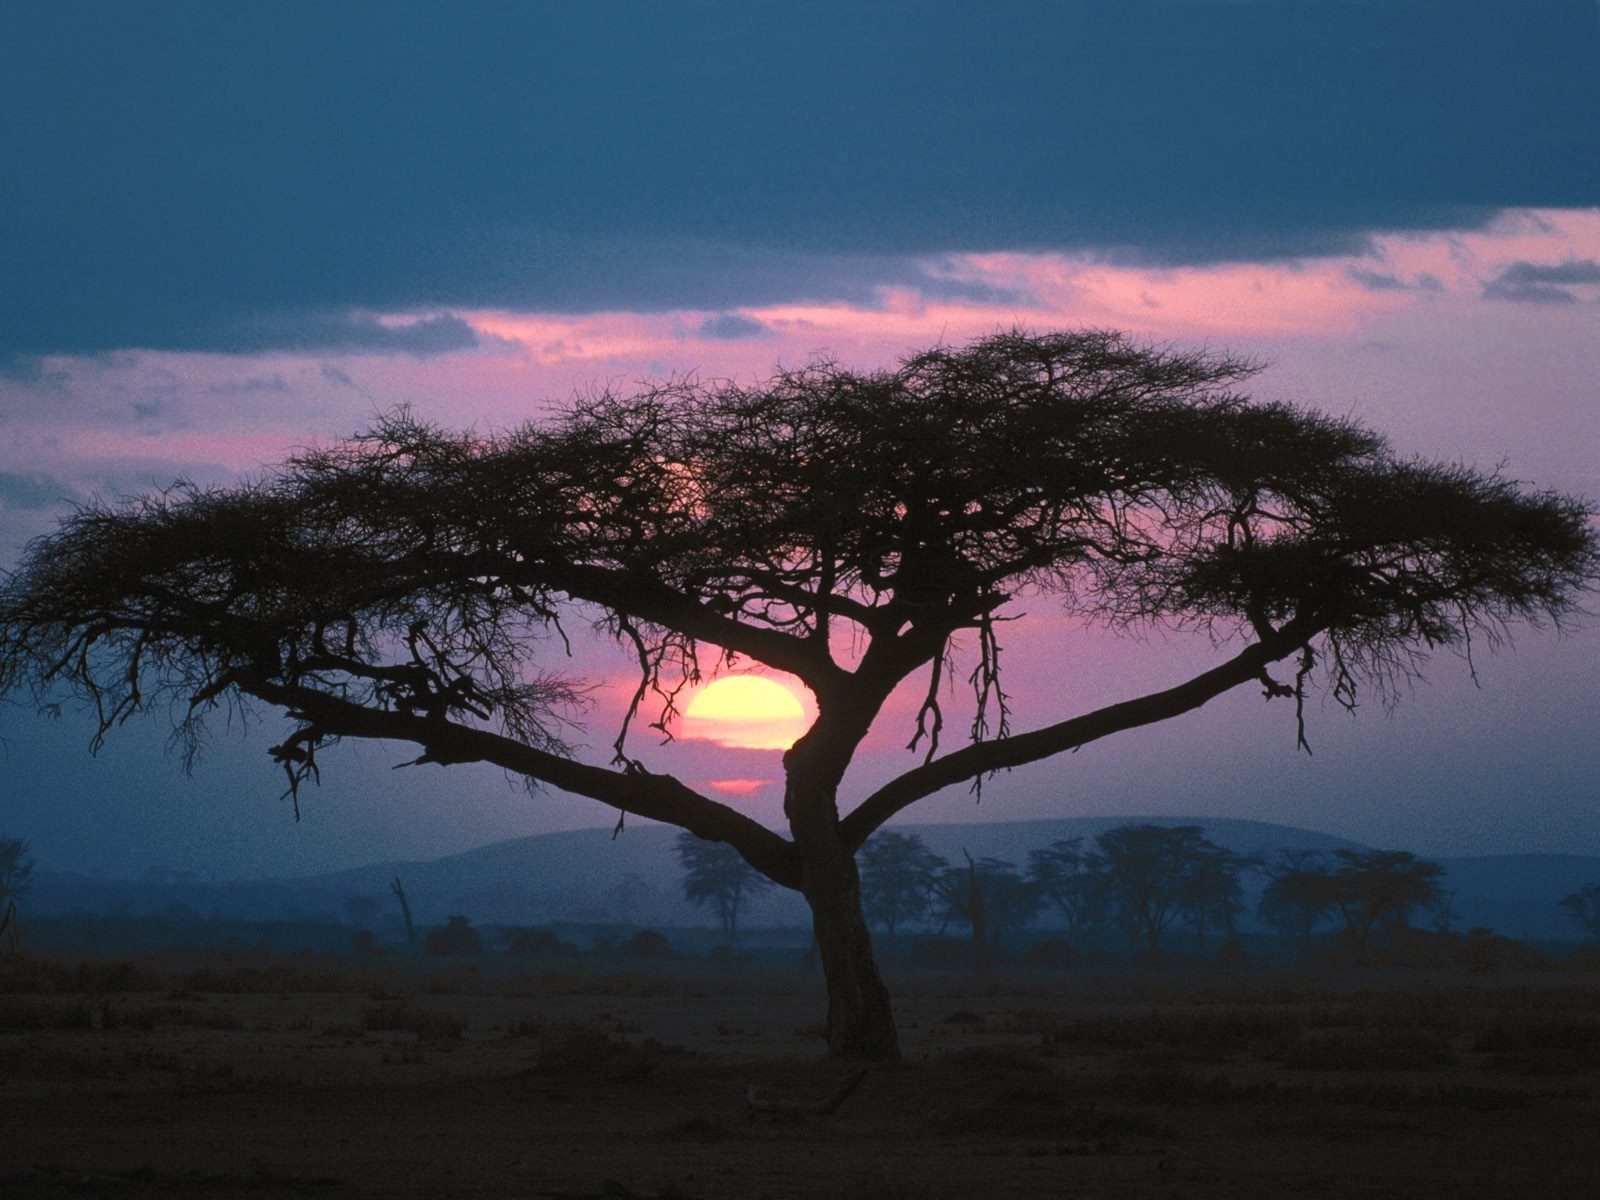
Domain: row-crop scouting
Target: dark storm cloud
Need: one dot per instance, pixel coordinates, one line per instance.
(180, 174)
(1542, 283)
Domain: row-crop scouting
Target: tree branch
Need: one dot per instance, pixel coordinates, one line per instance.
(983, 757)
(650, 600)
(657, 797)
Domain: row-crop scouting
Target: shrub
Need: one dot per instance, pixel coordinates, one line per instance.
(456, 939)
(540, 943)
(401, 1017)
(647, 944)
(1052, 953)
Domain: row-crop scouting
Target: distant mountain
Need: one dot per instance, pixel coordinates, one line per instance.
(587, 876)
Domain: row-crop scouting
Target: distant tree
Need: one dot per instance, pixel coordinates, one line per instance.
(362, 909)
(715, 875)
(1299, 895)
(1212, 896)
(399, 890)
(16, 870)
(633, 897)
(1148, 868)
(1442, 912)
(402, 585)
(1073, 881)
(455, 939)
(648, 944)
(1583, 907)
(990, 897)
(1378, 890)
(898, 875)
(16, 877)
(540, 943)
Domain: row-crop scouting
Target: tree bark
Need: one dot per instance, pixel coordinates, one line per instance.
(860, 1017)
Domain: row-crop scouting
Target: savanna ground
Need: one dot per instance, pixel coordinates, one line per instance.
(329, 1078)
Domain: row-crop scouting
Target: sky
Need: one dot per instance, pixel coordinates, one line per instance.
(231, 231)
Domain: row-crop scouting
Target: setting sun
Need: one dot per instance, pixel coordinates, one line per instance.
(745, 712)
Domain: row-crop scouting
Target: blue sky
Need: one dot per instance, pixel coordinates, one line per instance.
(230, 230)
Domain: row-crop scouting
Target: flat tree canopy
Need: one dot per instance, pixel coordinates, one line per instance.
(416, 584)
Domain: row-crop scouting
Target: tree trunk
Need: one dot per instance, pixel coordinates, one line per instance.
(976, 918)
(860, 1019)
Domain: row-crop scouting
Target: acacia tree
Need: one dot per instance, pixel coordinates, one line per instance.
(1298, 896)
(851, 529)
(1211, 896)
(898, 874)
(1582, 907)
(1149, 869)
(1379, 889)
(16, 870)
(716, 875)
(1074, 880)
(989, 896)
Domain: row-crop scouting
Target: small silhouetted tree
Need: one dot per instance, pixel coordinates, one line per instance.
(1212, 896)
(1378, 890)
(716, 876)
(16, 877)
(456, 939)
(1148, 868)
(399, 890)
(898, 874)
(1583, 907)
(362, 909)
(541, 944)
(1299, 896)
(990, 897)
(647, 944)
(1073, 881)
(856, 530)
(633, 897)
(16, 870)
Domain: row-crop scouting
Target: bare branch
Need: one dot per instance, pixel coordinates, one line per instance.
(986, 757)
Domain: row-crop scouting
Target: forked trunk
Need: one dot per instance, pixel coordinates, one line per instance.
(860, 1019)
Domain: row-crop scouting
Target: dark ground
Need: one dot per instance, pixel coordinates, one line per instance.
(332, 1079)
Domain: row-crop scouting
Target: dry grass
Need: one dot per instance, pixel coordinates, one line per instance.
(405, 1080)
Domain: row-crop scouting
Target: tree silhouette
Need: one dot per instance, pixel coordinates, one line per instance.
(1072, 879)
(852, 529)
(1211, 896)
(716, 875)
(16, 870)
(1148, 870)
(1583, 907)
(399, 890)
(1299, 895)
(1379, 889)
(16, 877)
(456, 938)
(989, 896)
(898, 874)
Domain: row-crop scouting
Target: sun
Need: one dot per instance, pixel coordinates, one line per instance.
(745, 712)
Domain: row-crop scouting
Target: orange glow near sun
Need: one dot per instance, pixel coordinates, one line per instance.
(745, 712)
